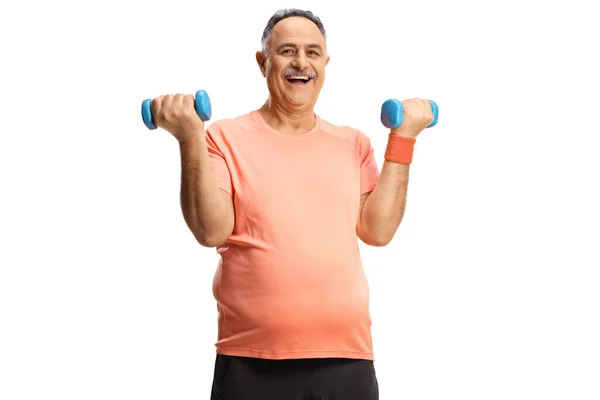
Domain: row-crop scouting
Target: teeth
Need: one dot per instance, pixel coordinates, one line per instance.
(299, 77)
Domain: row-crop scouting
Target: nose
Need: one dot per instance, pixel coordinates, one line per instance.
(300, 61)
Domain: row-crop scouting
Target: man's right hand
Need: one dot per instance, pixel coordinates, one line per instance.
(177, 115)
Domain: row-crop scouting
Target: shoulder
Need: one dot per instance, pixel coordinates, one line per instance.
(228, 129)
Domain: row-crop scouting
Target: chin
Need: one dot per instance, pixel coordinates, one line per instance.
(296, 102)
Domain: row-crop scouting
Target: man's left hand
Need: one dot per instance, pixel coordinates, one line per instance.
(417, 116)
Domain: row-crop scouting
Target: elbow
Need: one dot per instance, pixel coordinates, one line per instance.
(379, 239)
(211, 240)
(214, 234)
(212, 237)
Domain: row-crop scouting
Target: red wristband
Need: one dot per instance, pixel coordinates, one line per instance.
(400, 149)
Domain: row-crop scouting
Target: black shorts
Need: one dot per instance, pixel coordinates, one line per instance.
(243, 378)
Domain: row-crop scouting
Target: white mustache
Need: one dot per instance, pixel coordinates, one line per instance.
(310, 74)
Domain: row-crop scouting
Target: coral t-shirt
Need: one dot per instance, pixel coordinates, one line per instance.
(290, 282)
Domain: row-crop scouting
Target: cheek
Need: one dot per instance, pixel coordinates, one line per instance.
(278, 66)
(272, 72)
(319, 69)
(274, 81)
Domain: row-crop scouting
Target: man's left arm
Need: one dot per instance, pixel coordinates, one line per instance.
(382, 209)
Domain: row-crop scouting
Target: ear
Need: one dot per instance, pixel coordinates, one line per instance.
(326, 60)
(260, 59)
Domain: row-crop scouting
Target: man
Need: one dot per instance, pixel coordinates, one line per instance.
(283, 195)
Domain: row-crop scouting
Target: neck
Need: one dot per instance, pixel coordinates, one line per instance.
(294, 122)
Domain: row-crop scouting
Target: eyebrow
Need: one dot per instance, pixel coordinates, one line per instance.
(310, 46)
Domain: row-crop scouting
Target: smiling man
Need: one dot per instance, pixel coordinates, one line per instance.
(284, 196)
(293, 59)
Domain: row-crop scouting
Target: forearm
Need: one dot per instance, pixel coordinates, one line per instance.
(384, 208)
(204, 206)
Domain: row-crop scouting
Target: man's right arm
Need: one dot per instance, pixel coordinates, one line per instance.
(207, 210)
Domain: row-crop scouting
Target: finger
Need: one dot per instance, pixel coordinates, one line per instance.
(178, 100)
(423, 104)
(167, 101)
(156, 105)
(188, 101)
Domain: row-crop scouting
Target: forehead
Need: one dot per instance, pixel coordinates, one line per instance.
(296, 30)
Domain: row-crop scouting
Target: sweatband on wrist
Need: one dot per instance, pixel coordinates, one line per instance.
(400, 149)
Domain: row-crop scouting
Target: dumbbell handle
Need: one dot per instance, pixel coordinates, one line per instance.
(201, 103)
(392, 113)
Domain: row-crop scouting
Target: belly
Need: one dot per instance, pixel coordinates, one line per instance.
(292, 295)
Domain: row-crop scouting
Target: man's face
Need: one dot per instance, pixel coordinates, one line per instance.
(295, 65)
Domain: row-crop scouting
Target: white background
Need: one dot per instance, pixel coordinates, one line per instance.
(489, 290)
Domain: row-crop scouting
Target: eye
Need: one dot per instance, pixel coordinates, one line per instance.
(312, 52)
(287, 51)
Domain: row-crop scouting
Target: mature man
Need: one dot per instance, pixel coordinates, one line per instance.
(284, 195)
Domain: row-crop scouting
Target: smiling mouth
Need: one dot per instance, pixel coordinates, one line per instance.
(299, 79)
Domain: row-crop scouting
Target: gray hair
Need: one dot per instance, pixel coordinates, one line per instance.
(286, 13)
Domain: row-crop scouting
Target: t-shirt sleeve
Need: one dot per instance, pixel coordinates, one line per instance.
(369, 171)
(216, 151)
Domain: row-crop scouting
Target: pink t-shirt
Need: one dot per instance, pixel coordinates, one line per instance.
(290, 281)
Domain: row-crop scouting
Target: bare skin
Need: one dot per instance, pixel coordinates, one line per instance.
(382, 209)
(296, 44)
(207, 210)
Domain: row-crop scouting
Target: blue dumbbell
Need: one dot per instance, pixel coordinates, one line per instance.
(392, 113)
(202, 104)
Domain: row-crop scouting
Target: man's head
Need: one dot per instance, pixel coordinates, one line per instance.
(293, 58)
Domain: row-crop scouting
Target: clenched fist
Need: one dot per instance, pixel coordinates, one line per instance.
(417, 116)
(177, 115)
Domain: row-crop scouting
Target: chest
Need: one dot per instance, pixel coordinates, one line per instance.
(298, 180)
